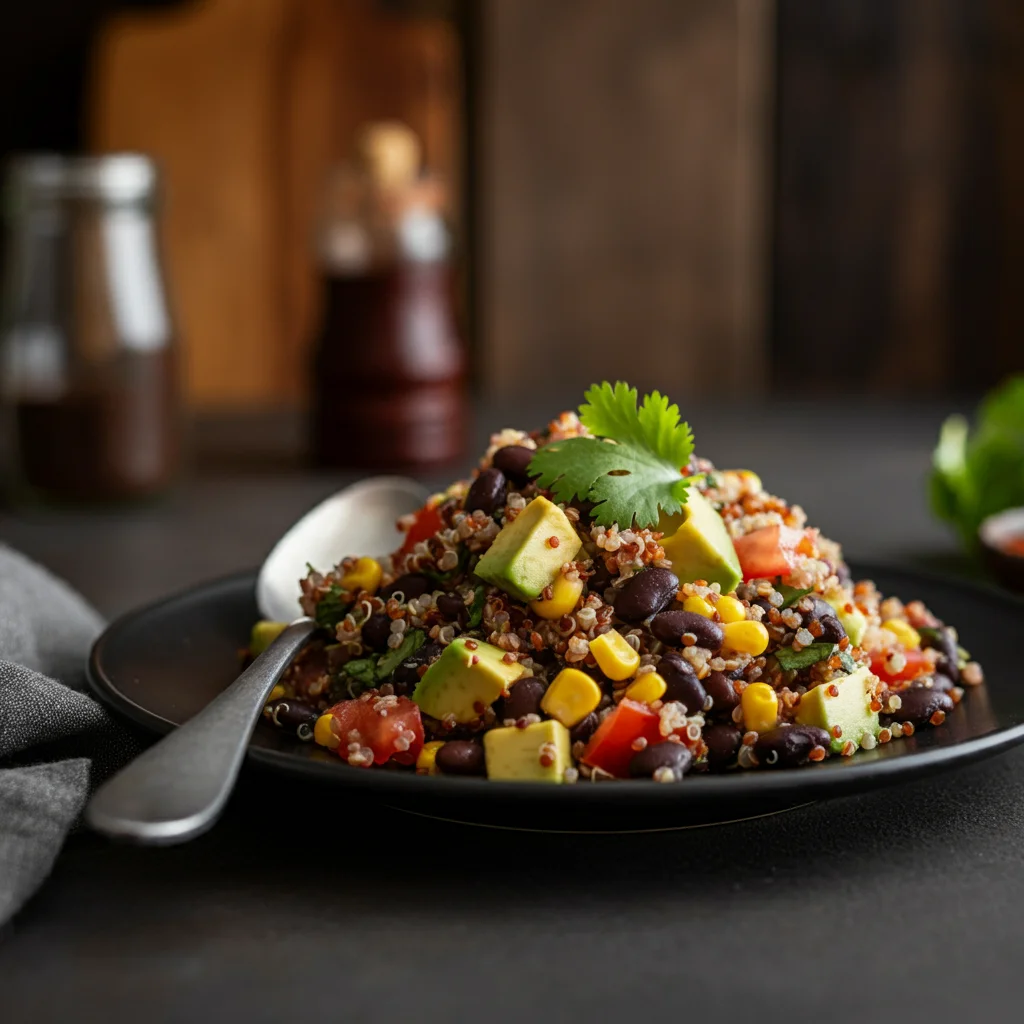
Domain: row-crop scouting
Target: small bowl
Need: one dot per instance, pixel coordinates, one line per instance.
(994, 533)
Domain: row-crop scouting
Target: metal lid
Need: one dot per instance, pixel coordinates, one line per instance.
(117, 178)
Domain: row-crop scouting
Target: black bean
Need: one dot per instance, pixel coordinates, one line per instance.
(487, 492)
(918, 704)
(545, 656)
(763, 602)
(523, 699)
(292, 715)
(819, 608)
(583, 730)
(645, 593)
(844, 574)
(376, 630)
(452, 608)
(513, 461)
(724, 697)
(942, 640)
(411, 585)
(408, 671)
(789, 745)
(670, 626)
(723, 742)
(599, 582)
(942, 682)
(674, 756)
(461, 757)
(831, 629)
(682, 683)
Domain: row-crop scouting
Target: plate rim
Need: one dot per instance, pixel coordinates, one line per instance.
(852, 776)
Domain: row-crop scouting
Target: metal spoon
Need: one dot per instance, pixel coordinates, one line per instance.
(177, 789)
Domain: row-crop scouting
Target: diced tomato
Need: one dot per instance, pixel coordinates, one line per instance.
(390, 726)
(768, 552)
(611, 746)
(917, 665)
(427, 523)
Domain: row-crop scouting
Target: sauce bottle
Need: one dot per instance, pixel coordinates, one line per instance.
(88, 376)
(388, 372)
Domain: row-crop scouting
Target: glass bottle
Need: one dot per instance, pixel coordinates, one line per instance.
(88, 377)
(388, 381)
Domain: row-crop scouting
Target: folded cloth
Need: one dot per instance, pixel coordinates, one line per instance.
(56, 742)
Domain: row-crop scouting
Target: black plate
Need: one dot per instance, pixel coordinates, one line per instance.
(161, 664)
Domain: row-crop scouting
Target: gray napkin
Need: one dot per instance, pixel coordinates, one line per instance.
(55, 741)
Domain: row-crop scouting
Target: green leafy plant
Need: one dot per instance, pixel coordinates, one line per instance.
(790, 594)
(978, 473)
(809, 655)
(476, 609)
(631, 468)
(331, 608)
(413, 640)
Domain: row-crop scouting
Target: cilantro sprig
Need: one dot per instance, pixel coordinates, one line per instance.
(631, 469)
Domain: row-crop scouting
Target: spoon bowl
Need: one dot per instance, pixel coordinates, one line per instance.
(360, 519)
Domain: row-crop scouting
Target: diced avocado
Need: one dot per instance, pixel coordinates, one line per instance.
(264, 633)
(853, 621)
(469, 676)
(698, 544)
(538, 753)
(522, 561)
(851, 710)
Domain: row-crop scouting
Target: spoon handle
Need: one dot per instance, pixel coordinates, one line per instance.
(177, 789)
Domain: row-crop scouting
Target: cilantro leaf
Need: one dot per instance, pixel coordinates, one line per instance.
(331, 608)
(476, 609)
(413, 640)
(848, 663)
(809, 655)
(790, 594)
(635, 478)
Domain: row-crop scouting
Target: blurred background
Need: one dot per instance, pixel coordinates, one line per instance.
(738, 199)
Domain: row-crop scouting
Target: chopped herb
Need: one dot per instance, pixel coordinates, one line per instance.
(413, 640)
(331, 608)
(444, 578)
(638, 476)
(361, 671)
(810, 655)
(476, 609)
(848, 663)
(790, 594)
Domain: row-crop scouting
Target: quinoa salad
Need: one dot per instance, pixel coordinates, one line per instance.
(599, 603)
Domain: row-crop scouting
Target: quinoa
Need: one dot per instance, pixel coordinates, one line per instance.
(380, 639)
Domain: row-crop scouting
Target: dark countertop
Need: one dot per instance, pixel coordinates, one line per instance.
(302, 904)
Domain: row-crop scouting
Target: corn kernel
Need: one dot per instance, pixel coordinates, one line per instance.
(731, 610)
(696, 603)
(364, 575)
(647, 688)
(277, 693)
(905, 632)
(747, 637)
(324, 734)
(564, 595)
(426, 763)
(571, 697)
(616, 659)
(760, 707)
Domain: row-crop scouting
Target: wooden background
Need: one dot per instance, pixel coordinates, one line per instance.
(247, 104)
(706, 195)
(899, 215)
